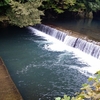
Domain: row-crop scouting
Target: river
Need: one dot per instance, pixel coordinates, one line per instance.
(39, 72)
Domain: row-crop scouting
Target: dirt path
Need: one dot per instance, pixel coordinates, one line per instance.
(8, 90)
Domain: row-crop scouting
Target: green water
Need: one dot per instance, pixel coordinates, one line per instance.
(38, 73)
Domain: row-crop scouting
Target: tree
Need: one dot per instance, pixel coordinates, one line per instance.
(84, 8)
(23, 13)
(58, 5)
(3, 7)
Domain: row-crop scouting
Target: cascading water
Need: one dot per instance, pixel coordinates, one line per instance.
(83, 45)
(70, 44)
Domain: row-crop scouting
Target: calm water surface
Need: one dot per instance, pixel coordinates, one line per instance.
(39, 73)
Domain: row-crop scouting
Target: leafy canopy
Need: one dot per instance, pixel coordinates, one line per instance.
(60, 6)
(22, 13)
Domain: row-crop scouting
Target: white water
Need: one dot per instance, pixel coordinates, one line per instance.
(56, 45)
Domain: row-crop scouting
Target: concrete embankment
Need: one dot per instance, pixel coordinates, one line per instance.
(8, 90)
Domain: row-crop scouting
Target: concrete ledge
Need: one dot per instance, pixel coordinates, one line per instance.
(8, 90)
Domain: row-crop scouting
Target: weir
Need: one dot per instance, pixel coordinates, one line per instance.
(83, 45)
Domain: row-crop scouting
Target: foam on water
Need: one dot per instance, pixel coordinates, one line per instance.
(56, 45)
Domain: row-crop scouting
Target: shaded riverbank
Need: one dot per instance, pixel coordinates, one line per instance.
(8, 90)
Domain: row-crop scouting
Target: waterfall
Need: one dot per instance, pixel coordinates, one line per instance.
(85, 46)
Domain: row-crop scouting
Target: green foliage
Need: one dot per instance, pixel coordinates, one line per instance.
(64, 98)
(88, 91)
(84, 7)
(21, 13)
(58, 5)
(58, 98)
(2, 18)
(58, 10)
(4, 2)
(4, 5)
(24, 14)
(87, 5)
